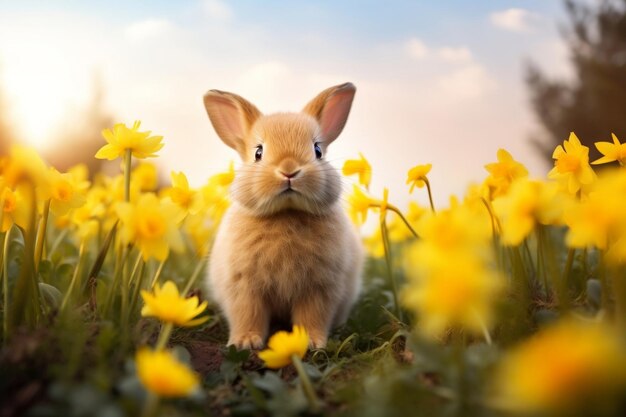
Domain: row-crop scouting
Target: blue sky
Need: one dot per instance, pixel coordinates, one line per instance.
(438, 81)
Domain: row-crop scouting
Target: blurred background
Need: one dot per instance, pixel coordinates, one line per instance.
(446, 83)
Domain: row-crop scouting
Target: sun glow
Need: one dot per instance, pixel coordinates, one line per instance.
(41, 83)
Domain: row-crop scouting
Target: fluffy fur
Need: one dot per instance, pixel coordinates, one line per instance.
(285, 248)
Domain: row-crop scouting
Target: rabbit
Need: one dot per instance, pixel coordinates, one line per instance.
(285, 249)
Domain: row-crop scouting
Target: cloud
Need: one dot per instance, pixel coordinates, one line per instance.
(416, 49)
(451, 54)
(469, 82)
(514, 20)
(148, 28)
(217, 9)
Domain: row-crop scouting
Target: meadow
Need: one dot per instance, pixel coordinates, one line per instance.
(510, 300)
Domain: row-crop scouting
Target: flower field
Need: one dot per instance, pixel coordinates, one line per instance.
(511, 300)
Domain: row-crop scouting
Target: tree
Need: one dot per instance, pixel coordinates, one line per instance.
(593, 105)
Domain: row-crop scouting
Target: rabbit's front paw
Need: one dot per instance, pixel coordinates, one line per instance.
(248, 340)
(317, 340)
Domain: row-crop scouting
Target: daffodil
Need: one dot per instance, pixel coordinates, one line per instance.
(65, 191)
(571, 165)
(527, 204)
(360, 203)
(121, 139)
(598, 220)
(162, 374)
(16, 208)
(169, 306)
(611, 152)
(360, 167)
(223, 179)
(146, 176)
(503, 173)
(23, 164)
(564, 368)
(151, 225)
(417, 176)
(282, 346)
(188, 199)
(453, 294)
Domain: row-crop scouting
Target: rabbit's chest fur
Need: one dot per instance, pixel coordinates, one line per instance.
(284, 257)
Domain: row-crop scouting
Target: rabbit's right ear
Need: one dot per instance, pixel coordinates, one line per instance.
(232, 117)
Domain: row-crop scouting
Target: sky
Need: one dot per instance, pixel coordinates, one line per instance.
(438, 82)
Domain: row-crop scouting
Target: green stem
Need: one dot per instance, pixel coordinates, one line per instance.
(135, 268)
(128, 159)
(164, 336)
(77, 272)
(541, 261)
(117, 275)
(57, 242)
(392, 280)
(5, 284)
(192, 279)
(563, 297)
(41, 234)
(157, 274)
(307, 387)
(399, 213)
(430, 195)
(137, 290)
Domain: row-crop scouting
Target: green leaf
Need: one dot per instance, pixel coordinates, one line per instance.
(50, 295)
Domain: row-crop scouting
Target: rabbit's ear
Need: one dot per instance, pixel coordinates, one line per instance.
(331, 108)
(232, 117)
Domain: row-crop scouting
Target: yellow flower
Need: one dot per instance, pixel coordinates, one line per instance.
(145, 174)
(162, 374)
(16, 208)
(564, 368)
(453, 294)
(360, 203)
(215, 199)
(417, 176)
(526, 204)
(151, 225)
(166, 304)
(283, 345)
(223, 179)
(360, 167)
(121, 138)
(598, 220)
(571, 165)
(23, 164)
(200, 228)
(456, 229)
(182, 195)
(611, 152)
(65, 191)
(503, 173)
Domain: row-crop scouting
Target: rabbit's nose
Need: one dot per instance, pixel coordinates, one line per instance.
(290, 175)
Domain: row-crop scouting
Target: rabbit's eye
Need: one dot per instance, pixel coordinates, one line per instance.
(258, 154)
(318, 151)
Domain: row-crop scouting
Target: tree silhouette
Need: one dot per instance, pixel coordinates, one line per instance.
(593, 105)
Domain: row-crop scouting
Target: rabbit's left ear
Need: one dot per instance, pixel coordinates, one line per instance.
(331, 108)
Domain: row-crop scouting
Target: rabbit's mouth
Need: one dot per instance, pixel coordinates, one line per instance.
(288, 191)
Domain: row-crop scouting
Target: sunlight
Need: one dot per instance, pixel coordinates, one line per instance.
(40, 87)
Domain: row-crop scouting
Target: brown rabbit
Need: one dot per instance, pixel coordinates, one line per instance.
(285, 249)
